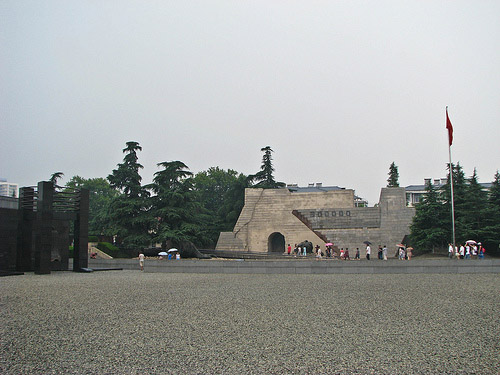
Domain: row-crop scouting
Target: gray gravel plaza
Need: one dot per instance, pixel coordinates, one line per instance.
(130, 322)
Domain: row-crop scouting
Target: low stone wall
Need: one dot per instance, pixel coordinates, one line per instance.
(304, 266)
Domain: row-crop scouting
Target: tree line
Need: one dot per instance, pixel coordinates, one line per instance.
(181, 206)
(177, 206)
(477, 213)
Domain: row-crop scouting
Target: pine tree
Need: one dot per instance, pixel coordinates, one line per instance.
(490, 234)
(174, 206)
(474, 205)
(429, 229)
(129, 211)
(393, 180)
(265, 178)
(127, 178)
(494, 193)
(55, 177)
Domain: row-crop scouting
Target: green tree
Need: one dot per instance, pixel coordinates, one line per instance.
(222, 194)
(474, 205)
(212, 186)
(129, 210)
(491, 230)
(101, 194)
(459, 193)
(126, 177)
(234, 201)
(264, 178)
(178, 215)
(429, 227)
(55, 177)
(393, 180)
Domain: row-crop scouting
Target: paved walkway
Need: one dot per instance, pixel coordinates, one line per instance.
(305, 266)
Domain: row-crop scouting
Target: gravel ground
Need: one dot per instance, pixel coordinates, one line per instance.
(128, 322)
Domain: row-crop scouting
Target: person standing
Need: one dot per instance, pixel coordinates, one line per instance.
(356, 257)
(379, 255)
(368, 251)
(384, 252)
(401, 253)
(450, 251)
(318, 252)
(346, 254)
(289, 249)
(409, 252)
(141, 260)
(481, 251)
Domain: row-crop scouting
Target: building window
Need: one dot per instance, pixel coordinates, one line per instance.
(348, 213)
(334, 214)
(341, 213)
(327, 213)
(312, 214)
(320, 214)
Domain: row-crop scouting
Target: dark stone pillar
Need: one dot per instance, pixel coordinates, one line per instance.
(43, 243)
(80, 249)
(26, 230)
(8, 239)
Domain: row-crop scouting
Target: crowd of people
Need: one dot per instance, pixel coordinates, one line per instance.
(344, 254)
(469, 250)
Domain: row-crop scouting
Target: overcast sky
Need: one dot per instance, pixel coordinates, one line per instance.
(338, 89)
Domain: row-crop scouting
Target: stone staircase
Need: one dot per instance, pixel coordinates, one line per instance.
(307, 223)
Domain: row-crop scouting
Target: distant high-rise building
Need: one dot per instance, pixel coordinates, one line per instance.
(8, 189)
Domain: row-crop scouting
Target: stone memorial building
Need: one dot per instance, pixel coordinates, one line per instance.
(273, 218)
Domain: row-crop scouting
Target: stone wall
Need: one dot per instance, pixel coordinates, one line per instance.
(329, 215)
(269, 211)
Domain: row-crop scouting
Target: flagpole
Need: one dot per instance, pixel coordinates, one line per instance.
(451, 181)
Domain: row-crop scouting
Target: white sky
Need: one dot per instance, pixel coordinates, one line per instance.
(339, 89)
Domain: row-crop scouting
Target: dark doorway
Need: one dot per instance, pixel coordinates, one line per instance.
(276, 243)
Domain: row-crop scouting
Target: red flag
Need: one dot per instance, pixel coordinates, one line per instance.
(449, 127)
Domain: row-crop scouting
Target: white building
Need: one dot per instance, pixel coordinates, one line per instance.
(414, 193)
(8, 189)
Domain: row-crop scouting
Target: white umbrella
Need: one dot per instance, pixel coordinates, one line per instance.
(471, 241)
(172, 250)
(163, 253)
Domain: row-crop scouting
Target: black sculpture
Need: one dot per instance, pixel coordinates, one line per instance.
(308, 245)
(45, 214)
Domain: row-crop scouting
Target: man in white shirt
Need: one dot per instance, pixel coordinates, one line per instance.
(141, 260)
(368, 251)
(450, 251)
